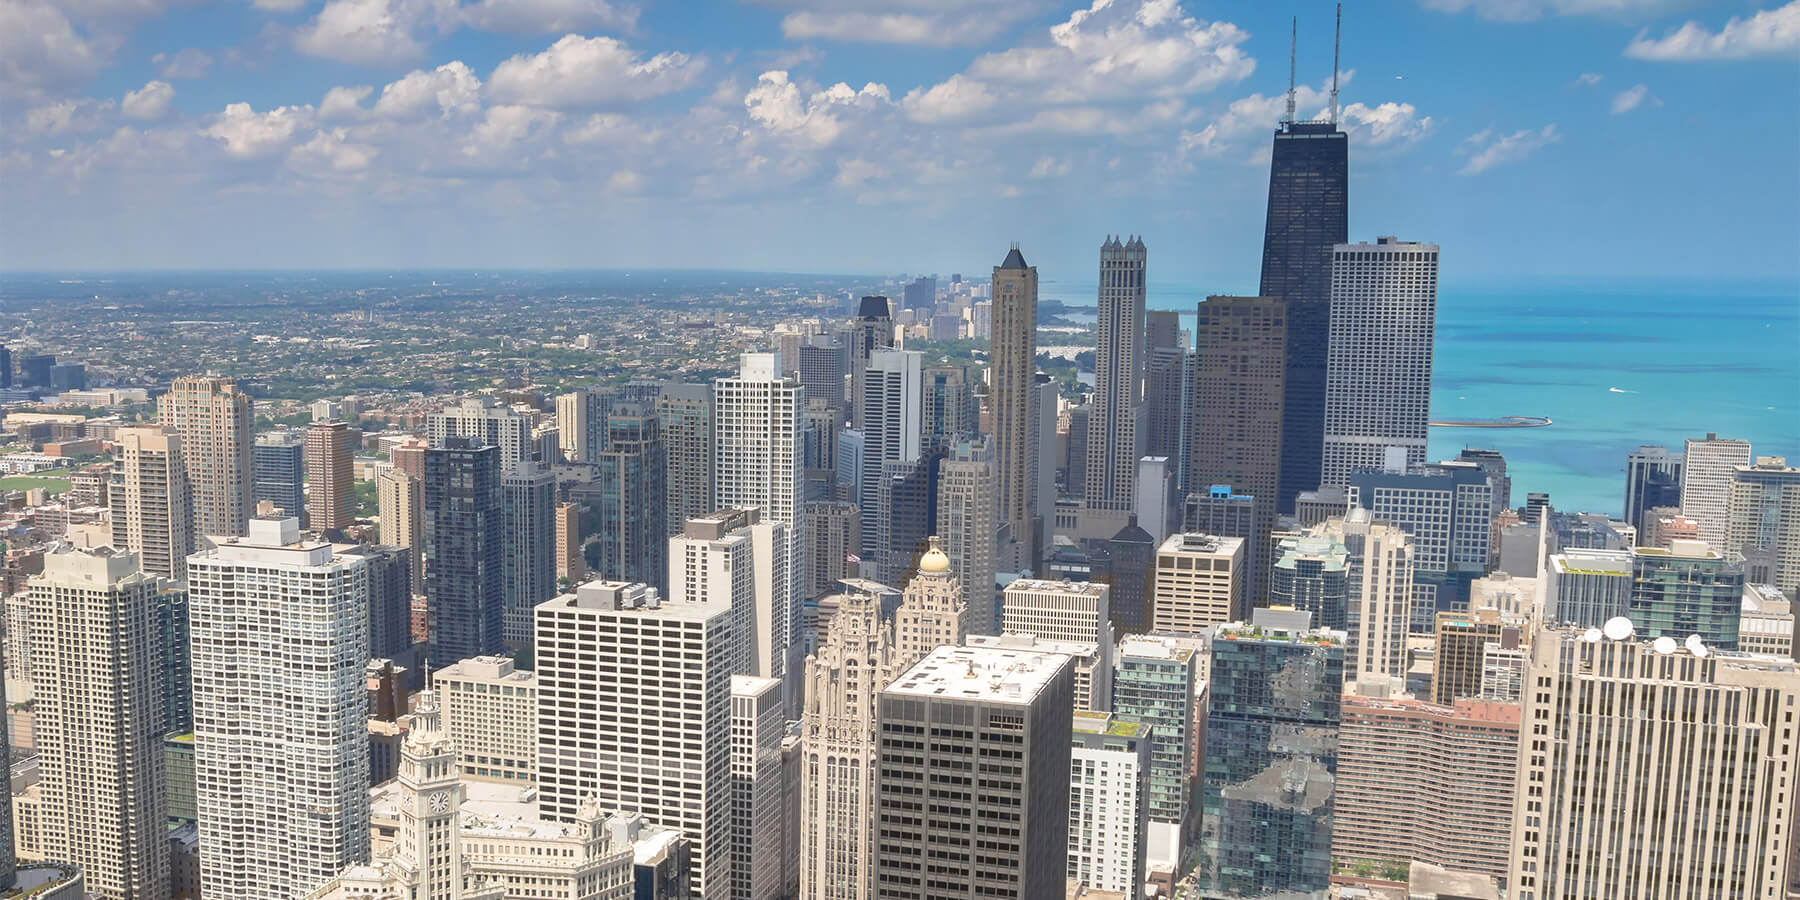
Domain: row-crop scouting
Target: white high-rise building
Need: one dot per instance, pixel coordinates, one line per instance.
(892, 416)
(1677, 760)
(1114, 438)
(279, 629)
(737, 556)
(98, 667)
(1378, 372)
(757, 792)
(854, 662)
(966, 528)
(1378, 595)
(215, 422)
(1078, 611)
(1109, 802)
(149, 498)
(634, 712)
(400, 501)
(490, 715)
(1197, 582)
(488, 423)
(932, 613)
(1709, 470)
(572, 427)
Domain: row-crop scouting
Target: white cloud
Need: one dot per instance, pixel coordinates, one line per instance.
(278, 5)
(374, 32)
(919, 22)
(329, 153)
(577, 71)
(1487, 150)
(1629, 99)
(856, 172)
(451, 88)
(503, 126)
(1532, 10)
(625, 181)
(189, 63)
(1123, 49)
(1588, 79)
(1388, 123)
(547, 16)
(1051, 167)
(67, 116)
(247, 133)
(41, 50)
(344, 102)
(148, 102)
(779, 106)
(1771, 32)
(952, 100)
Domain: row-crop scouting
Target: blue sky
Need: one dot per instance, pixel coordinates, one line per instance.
(1531, 138)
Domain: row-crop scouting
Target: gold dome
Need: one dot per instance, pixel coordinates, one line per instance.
(934, 562)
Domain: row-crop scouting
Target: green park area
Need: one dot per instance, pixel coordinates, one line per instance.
(27, 482)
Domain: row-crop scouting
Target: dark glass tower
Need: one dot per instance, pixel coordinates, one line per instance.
(465, 539)
(1309, 210)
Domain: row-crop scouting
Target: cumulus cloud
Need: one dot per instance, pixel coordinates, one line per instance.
(1588, 79)
(344, 102)
(547, 16)
(451, 88)
(952, 100)
(1532, 10)
(278, 5)
(189, 63)
(1487, 150)
(579, 71)
(1390, 123)
(779, 105)
(1386, 123)
(375, 32)
(924, 22)
(41, 50)
(503, 126)
(1629, 99)
(247, 133)
(330, 153)
(1123, 49)
(67, 117)
(1051, 167)
(1771, 32)
(148, 102)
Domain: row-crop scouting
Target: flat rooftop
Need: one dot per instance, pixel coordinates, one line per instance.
(992, 674)
(1042, 585)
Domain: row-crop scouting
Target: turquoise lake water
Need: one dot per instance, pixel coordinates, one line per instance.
(1615, 364)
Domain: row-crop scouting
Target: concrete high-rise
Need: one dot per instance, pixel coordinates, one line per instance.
(932, 613)
(400, 502)
(947, 833)
(1420, 781)
(1012, 370)
(278, 467)
(1446, 508)
(465, 550)
(739, 558)
(1652, 479)
(329, 475)
(891, 415)
(1687, 589)
(490, 714)
(215, 421)
(570, 561)
(281, 762)
(757, 831)
(528, 503)
(870, 330)
(1115, 433)
(685, 414)
(1709, 467)
(1700, 818)
(1378, 600)
(633, 498)
(574, 428)
(1075, 611)
(149, 499)
(1462, 639)
(855, 660)
(1109, 802)
(1587, 587)
(1383, 315)
(1197, 583)
(1764, 518)
(97, 670)
(1271, 756)
(757, 462)
(488, 423)
(833, 535)
(1237, 439)
(673, 664)
(966, 528)
(1308, 214)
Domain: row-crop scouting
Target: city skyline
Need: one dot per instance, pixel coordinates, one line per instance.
(526, 119)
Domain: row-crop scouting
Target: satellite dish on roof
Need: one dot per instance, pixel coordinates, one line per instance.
(1617, 628)
(1665, 645)
(1592, 635)
(1697, 646)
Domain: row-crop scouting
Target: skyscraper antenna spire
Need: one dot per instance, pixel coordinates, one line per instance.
(1337, 41)
(1293, 41)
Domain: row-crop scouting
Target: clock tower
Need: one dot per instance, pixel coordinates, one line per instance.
(431, 797)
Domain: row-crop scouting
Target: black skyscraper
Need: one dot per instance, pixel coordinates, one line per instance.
(465, 537)
(5, 368)
(1309, 203)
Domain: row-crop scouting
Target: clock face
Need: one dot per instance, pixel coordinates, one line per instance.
(439, 802)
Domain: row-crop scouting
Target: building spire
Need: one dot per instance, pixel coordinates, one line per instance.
(1337, 41)
(1293, 43)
